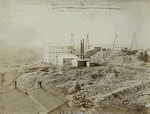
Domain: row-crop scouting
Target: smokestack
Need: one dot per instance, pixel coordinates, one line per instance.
(83, 48)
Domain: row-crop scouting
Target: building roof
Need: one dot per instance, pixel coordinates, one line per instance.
(17, 102)
(91, 48)
(45, 99)
(78, 59)
(68, 56)
(56, 92)
(57, 44)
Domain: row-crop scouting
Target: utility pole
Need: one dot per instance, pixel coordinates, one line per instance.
(116, 38)
(134, 41)
(87, 45)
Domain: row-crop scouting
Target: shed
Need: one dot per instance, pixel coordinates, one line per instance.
(79, 62)
(66, 59)
(92, 51)
(17, 102)
(51, 100)
(90, 64)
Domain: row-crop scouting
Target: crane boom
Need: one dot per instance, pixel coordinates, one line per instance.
(87, 45)
(134, 41)
(116, 36)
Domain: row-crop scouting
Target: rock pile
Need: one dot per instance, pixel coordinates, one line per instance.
(120, 57)
(79, 100)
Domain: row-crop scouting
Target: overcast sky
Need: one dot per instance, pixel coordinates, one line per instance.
(26, 23)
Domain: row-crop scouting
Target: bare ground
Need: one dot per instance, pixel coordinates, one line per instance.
(108, 89)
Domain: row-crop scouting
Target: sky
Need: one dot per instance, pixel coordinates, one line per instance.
(29, 23)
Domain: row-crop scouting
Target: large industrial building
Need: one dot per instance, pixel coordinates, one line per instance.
(52, 52)
(92, 51)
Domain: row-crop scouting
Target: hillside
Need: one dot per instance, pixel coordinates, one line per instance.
(108, 88)
(6, 51)
(27, 56)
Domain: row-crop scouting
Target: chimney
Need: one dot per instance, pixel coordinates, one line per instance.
(15, 84)
(83, 49)
(40, 84)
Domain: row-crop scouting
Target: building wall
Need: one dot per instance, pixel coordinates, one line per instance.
(74, 63)
(78, 63)
(60, 110)
(81, 63)
(51, 53)
(89, 64)
(67, 61)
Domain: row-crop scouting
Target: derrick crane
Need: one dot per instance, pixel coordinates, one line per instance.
(116, 38)
(72, 40)
(87, 45)
(134, 41)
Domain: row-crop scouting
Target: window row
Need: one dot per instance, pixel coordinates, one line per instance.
(61, 48)
(52, 60)
(60, 52)
(67, 61)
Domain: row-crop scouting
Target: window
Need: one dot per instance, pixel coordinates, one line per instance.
(71, 51)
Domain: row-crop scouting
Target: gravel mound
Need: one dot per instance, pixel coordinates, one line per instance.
(120, 57)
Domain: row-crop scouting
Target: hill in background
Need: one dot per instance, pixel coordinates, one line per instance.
(26, 56)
